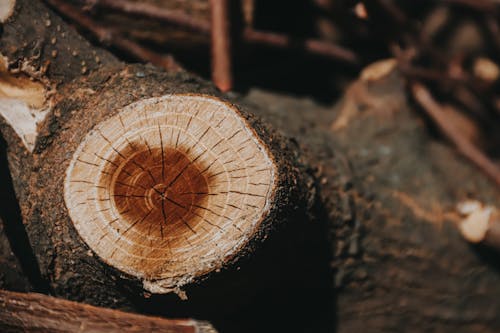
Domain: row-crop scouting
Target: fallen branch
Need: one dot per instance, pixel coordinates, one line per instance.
(108, 36)
(175, 17)
(313, 46)
(31, 312)
(465, 147)
(221, 45)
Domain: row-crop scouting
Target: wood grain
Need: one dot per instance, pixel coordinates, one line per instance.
(169, 188)
(31, 312)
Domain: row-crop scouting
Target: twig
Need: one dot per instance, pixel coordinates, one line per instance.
(315, 46)
(148, 10)
(221, 45)
(248, 8)
(30, 312)
(465, 147)
(108, 36)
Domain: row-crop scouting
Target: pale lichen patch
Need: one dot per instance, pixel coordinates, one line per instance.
(6, 9)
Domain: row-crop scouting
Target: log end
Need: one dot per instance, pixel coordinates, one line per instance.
(170, 188)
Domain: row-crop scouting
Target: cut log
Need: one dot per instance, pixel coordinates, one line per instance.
(389, 190)
(170, 188)
(150, 179)
(385, 187)
(30, 312)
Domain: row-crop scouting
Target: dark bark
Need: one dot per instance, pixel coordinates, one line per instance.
(11, 274)
(41, 44)
(82, 100)
(390, 189)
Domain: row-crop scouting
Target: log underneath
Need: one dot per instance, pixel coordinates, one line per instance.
(30, 312)
(390, 190)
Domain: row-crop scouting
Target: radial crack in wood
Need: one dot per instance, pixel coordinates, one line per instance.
(170, 188)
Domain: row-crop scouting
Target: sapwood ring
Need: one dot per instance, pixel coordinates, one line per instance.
(170, 188)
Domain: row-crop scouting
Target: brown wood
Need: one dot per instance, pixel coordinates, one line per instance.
(221, 45)
(382, 185)
(172, 194)
(111, 37)
(466, 148)
(31, 312)
(390, 189)
(103, 131)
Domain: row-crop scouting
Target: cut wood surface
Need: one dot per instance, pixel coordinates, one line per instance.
(170, 188)
(31, 312)
(155, 179)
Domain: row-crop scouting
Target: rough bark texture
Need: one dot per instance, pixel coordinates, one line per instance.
(65, 261)
(41, 45)
(390, 190)
(30, 312)
(116, 15)
(411, 269)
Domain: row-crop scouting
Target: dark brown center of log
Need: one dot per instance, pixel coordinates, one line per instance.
(170, 188)
(159, 190)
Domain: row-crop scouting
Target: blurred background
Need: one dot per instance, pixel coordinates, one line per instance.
(316, 48)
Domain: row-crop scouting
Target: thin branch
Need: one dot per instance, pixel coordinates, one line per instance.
(221, 45)
(108, 36)
(314, 46)
(464, 146)
(176, 17)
